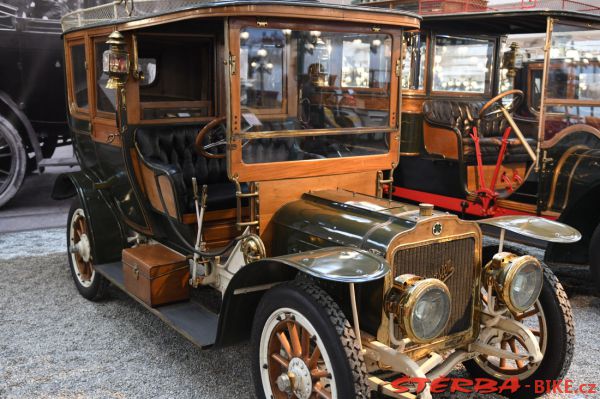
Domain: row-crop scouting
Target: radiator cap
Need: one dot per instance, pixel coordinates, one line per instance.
(425, 209)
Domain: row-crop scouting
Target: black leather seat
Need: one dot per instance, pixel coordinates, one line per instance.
(171, 150)
(452, 114)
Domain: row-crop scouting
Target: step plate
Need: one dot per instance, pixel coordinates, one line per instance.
(190, 319)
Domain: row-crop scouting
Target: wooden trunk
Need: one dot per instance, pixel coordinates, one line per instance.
(155, 274)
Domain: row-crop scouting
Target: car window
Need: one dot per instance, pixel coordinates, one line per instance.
(178, 76)
(462, 64)
(80, 87)
(313, 79)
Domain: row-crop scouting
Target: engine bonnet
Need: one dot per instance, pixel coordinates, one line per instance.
(342, 218)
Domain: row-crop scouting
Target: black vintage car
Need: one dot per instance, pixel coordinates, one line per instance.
(501, 117)
(32, 97)
(232, 158)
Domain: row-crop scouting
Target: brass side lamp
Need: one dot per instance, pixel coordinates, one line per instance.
(512, 60)
(118, 61)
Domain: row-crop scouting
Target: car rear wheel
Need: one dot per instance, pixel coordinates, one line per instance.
(304, 347)
(13, 161)
(551, 322)
(90, 284)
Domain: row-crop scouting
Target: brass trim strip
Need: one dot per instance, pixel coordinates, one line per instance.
(558, 169)
(309, 132)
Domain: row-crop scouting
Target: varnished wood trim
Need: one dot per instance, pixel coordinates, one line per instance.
(103, 131)
(412, 105)
(308, 168)
(440, 141)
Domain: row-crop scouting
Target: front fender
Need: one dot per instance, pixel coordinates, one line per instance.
(338, 264)
(106, 233)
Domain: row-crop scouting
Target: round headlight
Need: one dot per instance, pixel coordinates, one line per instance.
(422, 307)
(519, 280)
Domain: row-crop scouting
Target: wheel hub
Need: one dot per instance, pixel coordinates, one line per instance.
(299, 377)
(82, 247)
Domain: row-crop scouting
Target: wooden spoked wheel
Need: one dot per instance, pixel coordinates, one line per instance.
(296, 363)
(80, 249)
(535, 320)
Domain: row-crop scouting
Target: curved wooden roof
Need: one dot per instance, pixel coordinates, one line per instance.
(153, 12)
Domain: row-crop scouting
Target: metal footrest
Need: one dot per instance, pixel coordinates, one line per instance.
(190, 319)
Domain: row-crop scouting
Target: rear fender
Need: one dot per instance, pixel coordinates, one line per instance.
(107, 235)
(335, 264)
(10, 110)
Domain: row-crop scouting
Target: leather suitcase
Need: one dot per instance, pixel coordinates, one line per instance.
(156, 275)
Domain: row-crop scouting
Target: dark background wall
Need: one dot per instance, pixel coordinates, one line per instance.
(50, 9)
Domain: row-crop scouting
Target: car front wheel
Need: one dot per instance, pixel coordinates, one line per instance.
(304, 347)
(551, 322)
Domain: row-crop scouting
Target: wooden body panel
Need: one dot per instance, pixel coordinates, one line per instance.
(488, 174)
(440, 141)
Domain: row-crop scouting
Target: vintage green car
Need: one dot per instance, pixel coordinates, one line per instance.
(233, 157)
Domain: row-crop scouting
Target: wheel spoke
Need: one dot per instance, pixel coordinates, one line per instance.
(305, 343)
(503, 360)
(321, 391)
(285, 343)
(515, 350)
(5, 155)
(537, 333)
(314, 358)
(295, 338)
(317, 374)
(527, 314)
(4, 172)
(280, 359)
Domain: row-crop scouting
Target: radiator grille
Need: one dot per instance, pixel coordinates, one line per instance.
(428, 260)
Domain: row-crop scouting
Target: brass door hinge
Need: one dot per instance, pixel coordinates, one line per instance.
(232, 64)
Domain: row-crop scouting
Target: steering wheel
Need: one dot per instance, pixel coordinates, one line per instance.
(497, 104)
(214, 133)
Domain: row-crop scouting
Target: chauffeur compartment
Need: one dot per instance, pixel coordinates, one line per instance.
(155, 274)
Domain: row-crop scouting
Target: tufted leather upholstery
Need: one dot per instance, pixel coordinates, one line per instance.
(171, 150)
(452, 114)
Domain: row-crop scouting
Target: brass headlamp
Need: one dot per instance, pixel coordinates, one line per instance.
(517, 280)
(118, 61)
(421, 306)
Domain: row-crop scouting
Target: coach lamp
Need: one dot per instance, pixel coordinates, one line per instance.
(512, 60)
(118, 61)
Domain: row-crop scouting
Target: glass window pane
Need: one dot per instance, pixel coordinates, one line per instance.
(80, 88)
(313, 79)
(462, 64)
(106, 99)
(295, 80)
(575, 63)
(178, 76)
(413, 67)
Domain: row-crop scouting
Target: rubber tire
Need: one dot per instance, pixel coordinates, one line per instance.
(8, 132)
(330, 323)
(594, 257)
(561, 339)
(99, 287)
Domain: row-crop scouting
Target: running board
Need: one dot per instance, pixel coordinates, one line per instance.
(190, 319)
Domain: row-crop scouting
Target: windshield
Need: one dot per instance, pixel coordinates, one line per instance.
(320, 94)
(293, 80)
